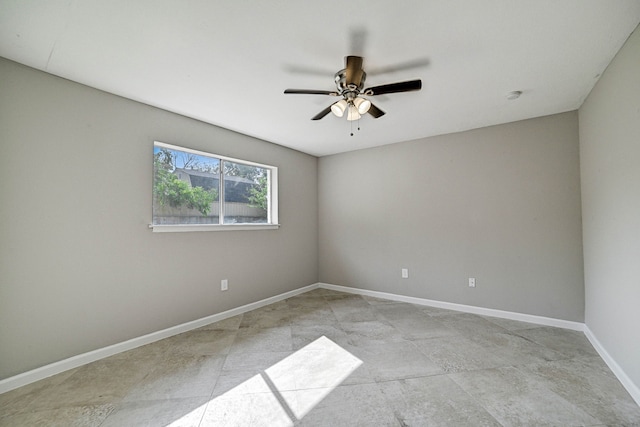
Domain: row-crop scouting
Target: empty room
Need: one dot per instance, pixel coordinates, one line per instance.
(361, 213)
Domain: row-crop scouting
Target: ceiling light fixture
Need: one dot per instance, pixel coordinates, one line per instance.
(354, 106)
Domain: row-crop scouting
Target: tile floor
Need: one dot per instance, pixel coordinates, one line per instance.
(326, 358)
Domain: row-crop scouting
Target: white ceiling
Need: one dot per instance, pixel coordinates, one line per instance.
(227, 62)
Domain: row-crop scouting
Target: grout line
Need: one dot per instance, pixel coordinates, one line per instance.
(624, 379)
(276, 393)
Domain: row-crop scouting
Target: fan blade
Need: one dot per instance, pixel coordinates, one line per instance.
(322, 113)
(354, 71)
(407, 86)
(402, 66)
(311, 92)
(303, 69)
(375, 111)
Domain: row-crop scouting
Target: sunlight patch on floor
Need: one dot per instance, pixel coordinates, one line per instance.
(284, 392)
(308, 375)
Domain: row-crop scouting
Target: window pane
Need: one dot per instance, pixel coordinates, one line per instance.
(185, 187)
(246, 198)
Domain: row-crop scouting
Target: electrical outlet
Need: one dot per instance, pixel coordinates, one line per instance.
(224, 284)
(405, 273)
(472, 282)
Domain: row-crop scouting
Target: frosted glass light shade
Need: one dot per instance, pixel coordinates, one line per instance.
(353, 114)
(339, 108)
(362, 105)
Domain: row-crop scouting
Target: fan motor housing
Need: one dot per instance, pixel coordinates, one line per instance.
(341, 82)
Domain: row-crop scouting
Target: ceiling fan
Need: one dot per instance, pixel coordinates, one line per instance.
(349, 86)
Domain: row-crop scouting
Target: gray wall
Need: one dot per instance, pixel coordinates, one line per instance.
(79, 268)
(610, 169)
(501, 204)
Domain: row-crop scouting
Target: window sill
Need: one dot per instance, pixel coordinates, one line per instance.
(209, 227)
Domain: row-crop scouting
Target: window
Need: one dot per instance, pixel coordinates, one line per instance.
(194, 190)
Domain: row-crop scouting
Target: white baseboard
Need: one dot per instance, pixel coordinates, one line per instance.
(633, 389)
(624, 379)
(539, 320)
(46, 371)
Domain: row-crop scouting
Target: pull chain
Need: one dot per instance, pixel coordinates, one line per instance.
(351, 124)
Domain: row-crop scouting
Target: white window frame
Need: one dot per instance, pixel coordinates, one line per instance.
(272, 195)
